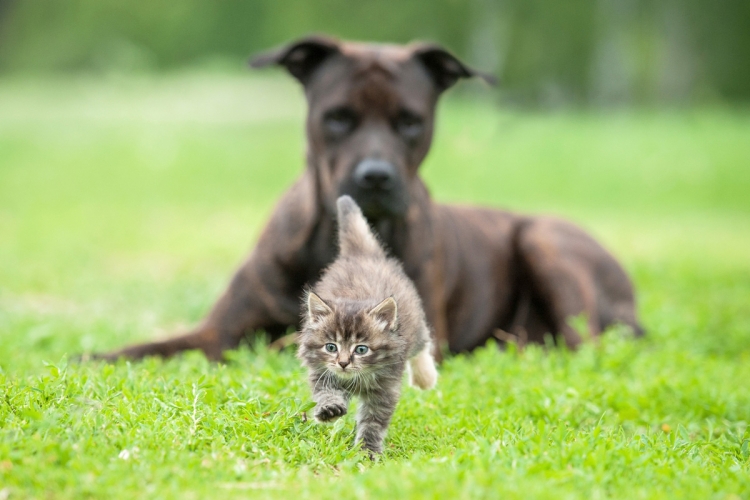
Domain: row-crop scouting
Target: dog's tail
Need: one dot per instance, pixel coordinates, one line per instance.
(355, 235)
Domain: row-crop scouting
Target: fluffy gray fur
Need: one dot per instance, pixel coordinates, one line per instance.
(363, 324)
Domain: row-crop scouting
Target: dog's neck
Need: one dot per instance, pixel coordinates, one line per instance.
(392, 233)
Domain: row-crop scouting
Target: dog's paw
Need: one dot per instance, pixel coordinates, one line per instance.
(329, 412)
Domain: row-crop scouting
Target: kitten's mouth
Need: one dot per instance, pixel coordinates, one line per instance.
(343, 373)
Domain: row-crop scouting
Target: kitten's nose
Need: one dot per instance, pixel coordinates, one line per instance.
(344, 363)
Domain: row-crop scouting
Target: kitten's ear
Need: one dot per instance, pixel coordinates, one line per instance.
(317, 309)
(386, 312)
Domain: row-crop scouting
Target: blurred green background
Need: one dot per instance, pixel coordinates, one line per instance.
(136, 148)
(547, 52)
(139, 160)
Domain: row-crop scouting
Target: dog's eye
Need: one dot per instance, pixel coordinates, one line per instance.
(408, 125)
(361, 349)
(339, 122)
(331, 347)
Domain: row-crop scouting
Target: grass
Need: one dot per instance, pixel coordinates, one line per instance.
(126, 204)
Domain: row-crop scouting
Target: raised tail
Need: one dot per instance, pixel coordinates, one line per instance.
(355, 235)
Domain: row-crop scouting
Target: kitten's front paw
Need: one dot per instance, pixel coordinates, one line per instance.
(329, 412)
(373, 452)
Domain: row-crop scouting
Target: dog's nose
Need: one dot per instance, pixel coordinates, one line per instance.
(375, 174)
(344, 363)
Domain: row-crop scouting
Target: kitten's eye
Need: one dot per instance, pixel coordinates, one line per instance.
(331, 347)
(361, 349)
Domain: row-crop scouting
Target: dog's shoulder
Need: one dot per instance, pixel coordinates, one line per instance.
(294, 215)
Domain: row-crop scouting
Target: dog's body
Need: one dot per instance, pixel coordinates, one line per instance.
(478, 271)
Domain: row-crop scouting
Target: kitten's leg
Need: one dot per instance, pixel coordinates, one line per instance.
(374, 415)
(332, 400)
(422, 372)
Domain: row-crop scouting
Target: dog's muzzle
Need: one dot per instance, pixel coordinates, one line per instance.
(373, 175)
(378, 188)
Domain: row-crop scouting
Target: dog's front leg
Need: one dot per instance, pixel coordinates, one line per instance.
(263, 294)
(258, 297)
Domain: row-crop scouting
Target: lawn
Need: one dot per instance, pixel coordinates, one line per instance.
(126, 204)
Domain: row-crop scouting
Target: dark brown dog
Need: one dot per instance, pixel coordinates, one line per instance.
(479, 271)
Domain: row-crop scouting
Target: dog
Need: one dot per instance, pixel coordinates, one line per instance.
(481, 273)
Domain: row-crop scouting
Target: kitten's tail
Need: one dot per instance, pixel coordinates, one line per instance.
(355, 235)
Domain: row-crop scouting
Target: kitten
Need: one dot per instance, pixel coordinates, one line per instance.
(362, 323)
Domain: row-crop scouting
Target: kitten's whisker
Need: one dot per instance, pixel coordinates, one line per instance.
(366, 379)
(323, 377)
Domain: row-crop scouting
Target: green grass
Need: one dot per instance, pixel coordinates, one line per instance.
(125, 206)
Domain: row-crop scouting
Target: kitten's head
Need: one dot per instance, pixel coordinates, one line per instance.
(350, 338)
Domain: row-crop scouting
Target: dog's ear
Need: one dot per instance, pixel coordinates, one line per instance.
(300, 57)
(445, 68)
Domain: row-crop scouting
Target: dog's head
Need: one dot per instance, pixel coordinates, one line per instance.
(370, 114)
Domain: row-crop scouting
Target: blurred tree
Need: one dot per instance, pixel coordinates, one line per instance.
(547, 52)
(613, 61)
